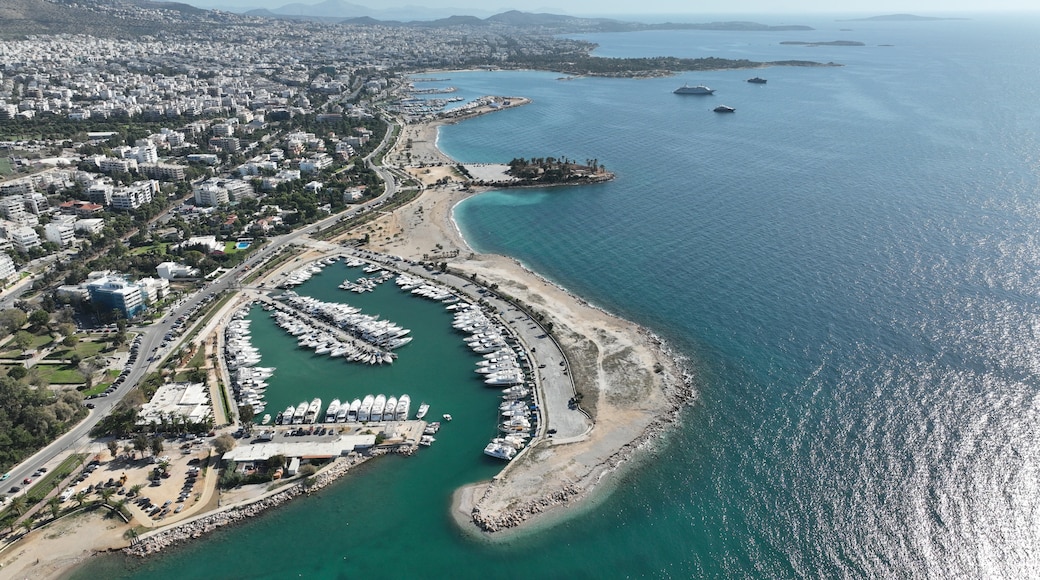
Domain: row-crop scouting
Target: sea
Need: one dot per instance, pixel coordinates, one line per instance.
(848, 263)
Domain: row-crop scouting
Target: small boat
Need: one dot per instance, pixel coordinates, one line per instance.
(426, 440)
(757, 80)
(724, 109)
(446, 417)
(423, 408)
(266, 419)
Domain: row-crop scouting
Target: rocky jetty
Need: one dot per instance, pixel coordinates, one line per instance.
(204, 524)
(680, 395)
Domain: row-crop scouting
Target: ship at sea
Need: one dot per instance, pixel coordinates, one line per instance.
(695, 90)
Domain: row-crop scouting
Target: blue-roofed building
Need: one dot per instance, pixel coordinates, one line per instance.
(116, 293)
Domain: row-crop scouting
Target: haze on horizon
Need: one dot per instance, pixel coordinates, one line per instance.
(669, 7)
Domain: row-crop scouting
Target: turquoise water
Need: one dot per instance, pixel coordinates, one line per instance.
(850, 261)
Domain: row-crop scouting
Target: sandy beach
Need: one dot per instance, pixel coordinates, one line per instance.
(628, 377)
(632, 385)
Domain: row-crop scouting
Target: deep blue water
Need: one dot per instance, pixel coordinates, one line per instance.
(850, 263)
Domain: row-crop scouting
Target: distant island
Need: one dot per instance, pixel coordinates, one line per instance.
(829, 43)
(899, 18)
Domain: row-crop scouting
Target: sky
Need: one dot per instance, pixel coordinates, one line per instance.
(693, 7)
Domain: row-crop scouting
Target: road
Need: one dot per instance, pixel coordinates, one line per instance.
(152, 336)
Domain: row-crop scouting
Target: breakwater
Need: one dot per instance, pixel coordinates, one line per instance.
(202, 525)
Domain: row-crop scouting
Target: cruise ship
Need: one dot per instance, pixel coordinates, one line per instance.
(695, 90)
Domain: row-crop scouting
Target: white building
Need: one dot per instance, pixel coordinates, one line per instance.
(7, 268)
(24, 239)
(173, 270)
(61, 232)
(89, 226)
(154, 289)
(135, 195)
(211, 195)
(13, 208)
(315, 163)
(100, 193)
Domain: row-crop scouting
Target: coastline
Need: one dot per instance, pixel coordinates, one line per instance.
(612, 359)
(629, 405)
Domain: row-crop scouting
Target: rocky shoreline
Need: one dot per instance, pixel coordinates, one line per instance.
(679, 397)
(196, 528)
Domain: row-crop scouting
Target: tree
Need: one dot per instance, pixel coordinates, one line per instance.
(40, 318)
(23, 339)
(245, 415)
(18, 504)
(12, 319)
(135, 489)
(275, 461)
(224, 443)
(80, 497)
(113, 448)
(106, 494)
(54, 506)
(141, 443)
(17, 372)
(27, 525)
(157, 445)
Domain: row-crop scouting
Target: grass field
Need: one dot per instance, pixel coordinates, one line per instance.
(59, 374)
(110, 375)
(85, 349)
(159, 248)
(5, 166)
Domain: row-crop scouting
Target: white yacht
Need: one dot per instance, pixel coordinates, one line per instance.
(352, 413)
(311, 415)
(299, 413)
(377, 407)
(365, 412)
(500, 451)
(330, 415)
(403, 404)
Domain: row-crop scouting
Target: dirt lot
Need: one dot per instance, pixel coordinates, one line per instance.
(181, 455)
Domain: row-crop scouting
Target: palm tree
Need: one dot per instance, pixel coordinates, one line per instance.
(120, 506)
(27, 524)
(19, 504)
(106, 494)
(54, 505)
(135, 489)
(80, 497)
(157, 445)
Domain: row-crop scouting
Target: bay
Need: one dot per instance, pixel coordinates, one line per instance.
(849, 262)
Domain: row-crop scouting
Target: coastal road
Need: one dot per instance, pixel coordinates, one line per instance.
(153, 336)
